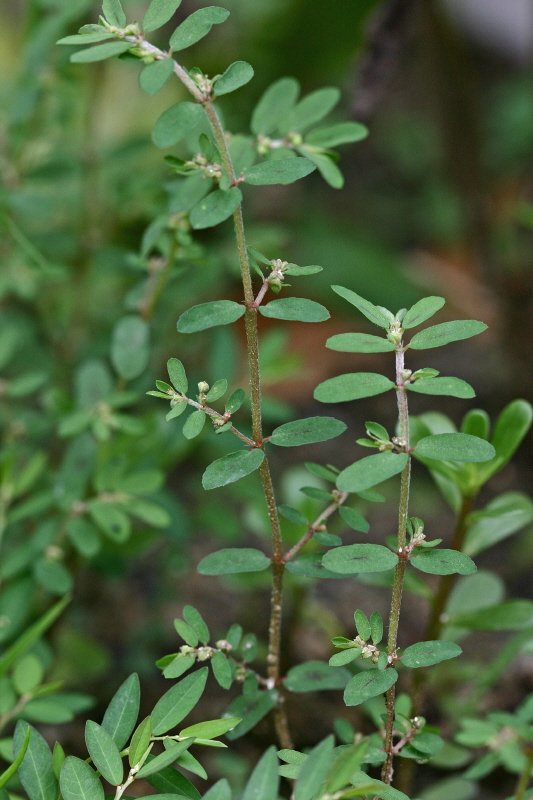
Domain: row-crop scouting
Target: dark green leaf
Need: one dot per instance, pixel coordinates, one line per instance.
(211, 729)
(279, 171)
(317, 765)
(100, 52)
(79, 781)
(370, 683)
(362, 624)
(130, 347)
(352, 386)
(176, 122)
(315, 676)
(209, 315)
(454, 447)
(310, 566)
(222, 671)
(299, 272)
(194, 424)
(359, 343)
(513, 615)
(505, 515)
(153, 76)
(425, 654)
(196, 26)
(177, 374)
(232, 467)
(340, 133)
(442, 562)
(52, 575)
(235, 401)
(368, 309)
(252, 709)
(450, 387)
(217, 390)
(178, 666)
(353, 519)
(511, 427)
(293, 515)
(112, 521)
(326, 166)
(104, 753)
(31, 635)
(215, 208)
(354, 558)
(178, 702)
(274, 105)
(114, 13)
(159, 13)
(35, 772)
(446, 332)
(197, 622)
(236, 75)
(8, 773)
(172, 782)
(122, 712)
(311, 109)
(307, 431)
(295, 309)
(422, 311)
(165, 759)
(263, 783)
(232, 560)
(140, 742)
(370, 471)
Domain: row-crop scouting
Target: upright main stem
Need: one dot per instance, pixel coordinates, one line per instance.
(397, 587)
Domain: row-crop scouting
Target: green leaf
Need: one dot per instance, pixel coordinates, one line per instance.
(232, 467)
(307, 431)
(362, 624)
(222, 671)
(300, 272)
(28, 674)
(100, 52)
(368, 684)
(31, 635)
(217, 390)
(235, 401)
(177, 375)
(352, 386)
(352, 559)
(263, 783)
(310, 566)
(311, 109)
(426, 654)
(220, 791)
(449, 387)
(104, 753)
(113, 521)
(511, 427)
(187, 633)
(178, 702)
(209, 315)
(315, 676)
(446, 332)
(458, 788)
(279, 171)
(274, 105)
(215, 208)
(130, 347)
(442, 562)
(165, 759)
(353, 519)
(422, 311)
(52, 575)
(78, 781)
(193, 618)
(173, 782)
(454, 447)
(87, 38)
(365, 785)
(368, 309)
(317, 765)
(326, 166)
(140, 742)
(194, 424)
(295, 309)
(359, 343)
(376, 627)
(153, 76)
(340, 133)
(348, 759)
(232, 560)
(196, 26)
(8, 773)
(236, 75)
(36, 771)
(505, 515)
(210, 729)
(122, 712)
(293, 515)
(178, 666)
(114, 13)
(370, 471)
(159, 13)
(513, 615)
(176, 122)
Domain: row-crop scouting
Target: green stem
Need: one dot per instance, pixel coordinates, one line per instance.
(399, 573)
(523, 780)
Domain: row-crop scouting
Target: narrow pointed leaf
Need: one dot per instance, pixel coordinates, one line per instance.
(263, 783)
(353, 559)
(36, 770)
(159, 13)
(233, 560)
(178, 702)
(422, 311)
(140, 741)
(87, 38)
(307, 431)
(236, 75)
(369, 684)
(209, 315)
(122, 712)
(359, 343)
(176, 122)
(448, 387)
(445, 333)
(78, 781)
(153, 76)
(232, 467)
(326, 165)
(311, 109)
(352, 386)
(30, 636)
(8, 773)
(340, 133)
(505, 515)
(177, 375)
(104, 753)
(513, 615)
(455, 447)
(215, 208)
(426, 654)
(114, 13)
(164, 759)
(193, 618)
(279, 171)
(440, 561)
(100, 52)
(511, 426)
(210, 729)
(312, 776)
(353, 519)
(368, 309)
(295, 309)
(274, 105)
(196, 26)
(371, 471)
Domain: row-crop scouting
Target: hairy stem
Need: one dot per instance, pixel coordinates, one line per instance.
(397, 587)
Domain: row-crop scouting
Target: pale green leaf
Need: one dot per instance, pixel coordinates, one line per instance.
(210, 729)
(236, 75)
(209, 315)
(368, 309)
(307, 431)
(315, 676)
(449, 387)
(196, 26)
(263, 783)
(87, 38)
(140, 741)
(352, 386)
(422, 311)
(426, 654)
(512, 615)
(340, 133)
(78, 781)
(194, 424)
(178, 702)
(446, 332)
(454, 447)
(312, 776)
(279, 171)
(215, 208)
(153, 76)
(159, 12)
(368, 684)
(130, 347)
(232, 467)
(122, 712)
(233, 560)
(352, 559)
(177, 375)
(274, 105)
(100, 52)
(165, 759)
(295, 309)
(311, 109)
(114, 13)
(359, 343)
(176, 122)
(371, 471)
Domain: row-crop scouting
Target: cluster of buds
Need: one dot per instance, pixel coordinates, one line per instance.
(368, 650)
(264, 144)
(275, 279)
(204, 83)
(201, 164)
(395, 332)
(206, 652)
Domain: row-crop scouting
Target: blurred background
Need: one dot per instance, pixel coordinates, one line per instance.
(437, 200)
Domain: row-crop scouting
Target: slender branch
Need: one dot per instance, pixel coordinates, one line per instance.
(397, 587)
(316, 525)
(524, 778)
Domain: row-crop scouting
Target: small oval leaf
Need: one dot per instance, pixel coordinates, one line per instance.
(232, 560)
(209, 315)
(307, 431)
(352, 559)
